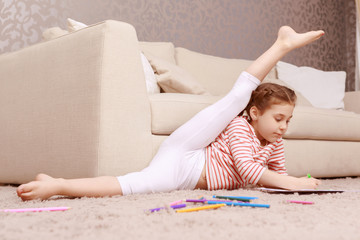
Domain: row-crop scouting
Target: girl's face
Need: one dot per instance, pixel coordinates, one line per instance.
(272, 123)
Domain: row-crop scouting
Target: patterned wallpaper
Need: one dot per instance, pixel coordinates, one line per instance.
(227, 28)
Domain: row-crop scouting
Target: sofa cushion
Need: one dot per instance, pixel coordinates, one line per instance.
(173, 79)
(324, 124)
(216, 74)
(351, 101)
(163, 50)
(170, 110)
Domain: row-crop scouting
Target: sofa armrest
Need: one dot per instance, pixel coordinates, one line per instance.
(352, 101)
(74, 106)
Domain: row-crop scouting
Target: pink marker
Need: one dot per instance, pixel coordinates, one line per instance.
(299, 202)
(175, 203)
(49, 209)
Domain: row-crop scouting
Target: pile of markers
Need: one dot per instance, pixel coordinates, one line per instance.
(215, 202)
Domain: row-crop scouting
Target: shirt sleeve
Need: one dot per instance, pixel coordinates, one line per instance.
(242, 150)
(276, 160)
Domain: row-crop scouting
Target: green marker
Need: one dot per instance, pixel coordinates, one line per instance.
(237, 198)
(308, 175)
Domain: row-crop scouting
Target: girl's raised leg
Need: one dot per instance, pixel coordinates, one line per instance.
(286, 41)
(204, 127)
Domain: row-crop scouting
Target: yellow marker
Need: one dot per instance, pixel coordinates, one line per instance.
(201, 208)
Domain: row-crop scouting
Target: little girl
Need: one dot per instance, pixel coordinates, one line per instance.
(216, 149)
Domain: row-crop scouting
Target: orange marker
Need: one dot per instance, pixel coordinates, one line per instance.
(202, 208)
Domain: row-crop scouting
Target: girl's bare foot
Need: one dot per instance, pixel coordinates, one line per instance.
(291, 39)
(286, 41)
(42, 188)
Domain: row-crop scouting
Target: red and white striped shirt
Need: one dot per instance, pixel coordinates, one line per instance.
(236, 158)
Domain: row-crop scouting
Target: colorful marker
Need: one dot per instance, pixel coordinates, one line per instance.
(242, 204)
(173, 207)
(46, 209)
(238, 198)
(175, 203)
(196, 200)
(201, 208)
(308, 175)
(300, 202)
(206, 200)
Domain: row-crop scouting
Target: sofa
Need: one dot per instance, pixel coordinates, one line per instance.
(78, 106)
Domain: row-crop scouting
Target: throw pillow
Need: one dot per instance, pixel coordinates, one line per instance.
(162, 50)
(216, 74)
(322, 89)
(75, 25)
(151, 83)
(173, 79)
(53, 32)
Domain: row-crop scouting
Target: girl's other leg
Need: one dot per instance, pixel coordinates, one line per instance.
(45, 187)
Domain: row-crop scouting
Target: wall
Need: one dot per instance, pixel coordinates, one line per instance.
(227, 28)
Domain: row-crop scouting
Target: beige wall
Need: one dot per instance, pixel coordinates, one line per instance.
(228, 28)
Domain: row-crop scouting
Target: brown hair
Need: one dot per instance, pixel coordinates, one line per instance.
(268, 94)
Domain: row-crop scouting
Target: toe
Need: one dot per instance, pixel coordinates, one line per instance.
(19, 190)
(28, 187)
(27, 196)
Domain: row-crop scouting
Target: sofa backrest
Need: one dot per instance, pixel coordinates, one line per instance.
(216, 74)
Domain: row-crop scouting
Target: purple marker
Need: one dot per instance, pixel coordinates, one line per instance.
(173, 207)
(178, 206)
(196, 200)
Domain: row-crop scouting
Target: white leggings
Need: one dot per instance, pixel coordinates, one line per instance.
(181, 157)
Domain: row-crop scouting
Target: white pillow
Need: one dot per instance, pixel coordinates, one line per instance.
(322, 89)
(151, 83)
(75, 25)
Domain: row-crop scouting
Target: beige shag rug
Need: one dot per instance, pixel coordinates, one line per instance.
(332, 216)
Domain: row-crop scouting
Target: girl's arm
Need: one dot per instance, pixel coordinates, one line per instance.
(275, 180)
(276, 160)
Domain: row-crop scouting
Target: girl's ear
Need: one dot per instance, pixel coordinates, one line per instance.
(254, 113)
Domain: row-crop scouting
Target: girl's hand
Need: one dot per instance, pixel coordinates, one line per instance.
(307, 183)
(274, 180)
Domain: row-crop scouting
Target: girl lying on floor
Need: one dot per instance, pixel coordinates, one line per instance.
(219, 148)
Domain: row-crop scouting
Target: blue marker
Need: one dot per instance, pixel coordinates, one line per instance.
(240, 204)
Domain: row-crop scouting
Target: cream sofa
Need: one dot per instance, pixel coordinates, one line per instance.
(77, 106)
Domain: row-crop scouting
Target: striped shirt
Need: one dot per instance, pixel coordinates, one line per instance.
(236, 158)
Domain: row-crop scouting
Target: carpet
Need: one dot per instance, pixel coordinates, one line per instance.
(332, 216)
